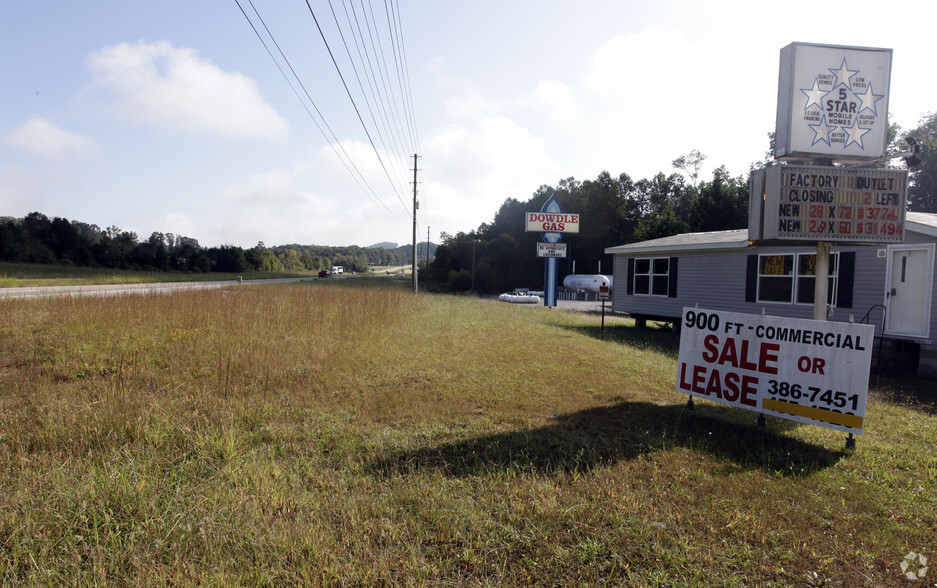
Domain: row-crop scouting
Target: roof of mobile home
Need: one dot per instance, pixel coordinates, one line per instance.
(919, 222)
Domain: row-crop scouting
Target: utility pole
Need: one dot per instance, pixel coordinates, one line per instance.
(427, 245)
(416, 205)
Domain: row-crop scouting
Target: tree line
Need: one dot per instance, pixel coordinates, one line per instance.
(615, 210)
(36, 238)
(501, 256)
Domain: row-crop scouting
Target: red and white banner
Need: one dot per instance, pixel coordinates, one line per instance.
(552, 222)
(809, 371)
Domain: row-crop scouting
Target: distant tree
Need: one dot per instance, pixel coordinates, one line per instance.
(227, 258)
(664, 223)
(309, 262)
(290, 260)
(922, 193)
(262, 259)
(690, 164)
(183, 254)
(722, 204)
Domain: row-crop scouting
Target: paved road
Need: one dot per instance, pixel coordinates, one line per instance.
(121, 289)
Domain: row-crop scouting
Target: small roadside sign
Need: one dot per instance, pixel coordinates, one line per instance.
(603, 293)
(551, 249)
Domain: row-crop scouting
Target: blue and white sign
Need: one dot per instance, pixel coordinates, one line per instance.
(832, 102)
(552, 205)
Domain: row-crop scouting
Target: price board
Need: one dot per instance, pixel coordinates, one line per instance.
(809, 371)
(835, 204)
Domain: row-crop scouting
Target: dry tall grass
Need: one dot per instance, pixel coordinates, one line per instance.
(330, 435)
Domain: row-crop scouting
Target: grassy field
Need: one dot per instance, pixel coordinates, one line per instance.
(324, 434)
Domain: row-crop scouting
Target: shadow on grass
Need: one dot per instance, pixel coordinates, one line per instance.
(918, 394)
(607, 435)
(660, 339)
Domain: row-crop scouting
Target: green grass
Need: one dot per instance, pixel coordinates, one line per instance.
(307, 434)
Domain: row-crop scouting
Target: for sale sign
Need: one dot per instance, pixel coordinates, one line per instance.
(809, 371)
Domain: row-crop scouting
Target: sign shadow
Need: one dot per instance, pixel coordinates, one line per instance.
(607, 435)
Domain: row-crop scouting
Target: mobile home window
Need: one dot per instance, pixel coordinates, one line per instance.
(776, 278)
(652, 276)
(806, 278)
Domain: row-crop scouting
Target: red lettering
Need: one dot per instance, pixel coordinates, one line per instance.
(746, 365)
(712, 352)
(684, 385)
(749, 389)
(714, 384)
(818, 364)
(765, 356)
(731, 393)
(699, 375)
(728, 353)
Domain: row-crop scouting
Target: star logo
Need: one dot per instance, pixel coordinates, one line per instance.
(821, 132)
(855, 133)
(814, 95)
(843, 74)
(869, 98)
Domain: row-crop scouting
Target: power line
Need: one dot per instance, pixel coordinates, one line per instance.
(404, 77)
(362, 182)
(374, 119)
(357, 111)
(379, 50)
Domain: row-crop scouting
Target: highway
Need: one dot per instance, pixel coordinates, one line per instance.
(122, 289)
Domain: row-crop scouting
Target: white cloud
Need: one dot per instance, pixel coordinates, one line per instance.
(475, 168)
(164, 84)
(556, 101)
(269, 207)
(663, 95)
(40, 136)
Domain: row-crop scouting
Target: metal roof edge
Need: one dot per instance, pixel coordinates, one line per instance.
(684, 247)
(919, 227)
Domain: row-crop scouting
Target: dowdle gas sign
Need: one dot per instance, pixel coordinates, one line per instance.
(549, 222)
(808, 371)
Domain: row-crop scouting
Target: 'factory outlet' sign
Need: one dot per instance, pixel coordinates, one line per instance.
(813, 203)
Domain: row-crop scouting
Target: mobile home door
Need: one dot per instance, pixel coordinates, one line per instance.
(908, 290)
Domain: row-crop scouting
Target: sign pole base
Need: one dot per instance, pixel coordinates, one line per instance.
(850, 442)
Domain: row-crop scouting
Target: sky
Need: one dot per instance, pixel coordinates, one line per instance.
(172, 116)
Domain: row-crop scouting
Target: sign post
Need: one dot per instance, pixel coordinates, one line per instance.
(551, 222)
(832, 108)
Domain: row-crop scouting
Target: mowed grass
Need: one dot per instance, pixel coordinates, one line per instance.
(321, 434)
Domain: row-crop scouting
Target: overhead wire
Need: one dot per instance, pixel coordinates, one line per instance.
(369, 70)
(408, 101)
(347, 161)
(374, 119)
(378, 48)
(398, 130)
(402, 73)
(355, 106)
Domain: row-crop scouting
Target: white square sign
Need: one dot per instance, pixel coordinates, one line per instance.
(809, 371)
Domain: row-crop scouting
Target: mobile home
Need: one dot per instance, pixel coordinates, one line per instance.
(889, 286)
